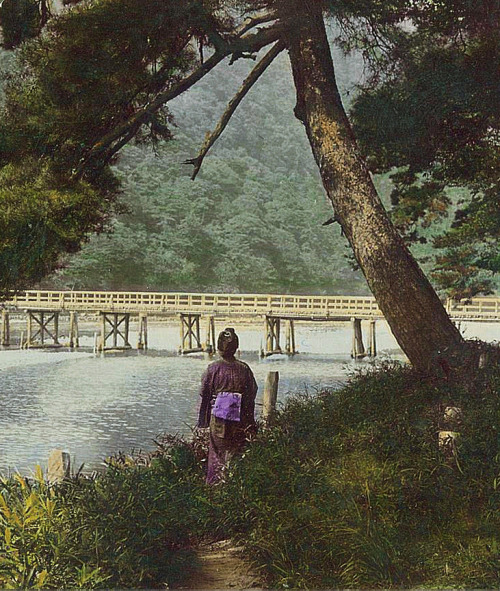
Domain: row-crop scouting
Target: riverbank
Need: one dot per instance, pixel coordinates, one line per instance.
(348, 489)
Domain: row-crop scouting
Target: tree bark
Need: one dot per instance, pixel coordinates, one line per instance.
(410, 305)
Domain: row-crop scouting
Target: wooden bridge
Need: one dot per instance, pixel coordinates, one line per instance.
(115, 309)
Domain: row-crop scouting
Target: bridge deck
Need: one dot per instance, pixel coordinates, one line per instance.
(486, 309)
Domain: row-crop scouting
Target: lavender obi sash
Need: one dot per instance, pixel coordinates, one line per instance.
(227, 406)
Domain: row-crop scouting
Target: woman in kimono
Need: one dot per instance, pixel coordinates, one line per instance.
(228, 390)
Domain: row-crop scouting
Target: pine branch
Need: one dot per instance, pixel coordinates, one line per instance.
(261, 18)
(248, 83)
(103, 150)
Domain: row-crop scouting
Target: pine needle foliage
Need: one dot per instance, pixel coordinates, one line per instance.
(431, 110)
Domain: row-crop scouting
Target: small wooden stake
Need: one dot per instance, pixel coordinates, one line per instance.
(270, 395)
(59, 466)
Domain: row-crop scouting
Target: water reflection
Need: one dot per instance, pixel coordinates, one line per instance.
(94, 406)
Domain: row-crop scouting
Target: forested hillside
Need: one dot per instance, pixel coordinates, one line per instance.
(251, 221)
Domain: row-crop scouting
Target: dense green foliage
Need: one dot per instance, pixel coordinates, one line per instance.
(432, 110)
(351, 489)
(130, 527)
(19, 20)
(347, 489)
(71, 85)
(39, 221)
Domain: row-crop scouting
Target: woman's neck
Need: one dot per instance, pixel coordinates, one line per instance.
(228, 357)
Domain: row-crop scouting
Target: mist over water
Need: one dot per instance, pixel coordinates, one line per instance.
(94, 406)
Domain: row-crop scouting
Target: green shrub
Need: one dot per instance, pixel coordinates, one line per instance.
(351, 489)
(132, 526)
(19, 20)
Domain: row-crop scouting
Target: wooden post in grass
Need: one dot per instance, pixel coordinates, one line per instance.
(270, 395)
(59, 466)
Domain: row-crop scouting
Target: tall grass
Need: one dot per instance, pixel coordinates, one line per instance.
(350, 488)
(347, 489)
(133, 526)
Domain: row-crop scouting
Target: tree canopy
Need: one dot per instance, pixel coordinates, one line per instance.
(89, 71)
(430, 115)
(82, 92)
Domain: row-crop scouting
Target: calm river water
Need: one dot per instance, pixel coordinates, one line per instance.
(94, 406)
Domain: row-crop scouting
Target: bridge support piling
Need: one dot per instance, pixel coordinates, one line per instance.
(29, 330)
(74, 340)
(290, 338)
(272, 330)
(5, 329)
(210, 343)
(119, 324)
(42, 318)
(190, 334)
(358, 348)
(142, 342)
(372, 339)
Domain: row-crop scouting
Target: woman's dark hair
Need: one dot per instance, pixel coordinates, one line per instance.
(228, 342)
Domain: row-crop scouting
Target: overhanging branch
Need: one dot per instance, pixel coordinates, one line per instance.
(109, 145)
(248, 83)
(260, 18)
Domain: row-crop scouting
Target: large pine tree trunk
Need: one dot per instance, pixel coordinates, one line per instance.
(410, 305)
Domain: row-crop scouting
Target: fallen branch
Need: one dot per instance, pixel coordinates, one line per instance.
(248, 83)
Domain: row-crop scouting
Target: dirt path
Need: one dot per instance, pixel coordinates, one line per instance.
(222, 566)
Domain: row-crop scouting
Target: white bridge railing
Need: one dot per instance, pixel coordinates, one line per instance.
(165, 303)
(486, 308)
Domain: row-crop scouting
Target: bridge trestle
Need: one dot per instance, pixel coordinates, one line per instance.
(74, 340)
(272, 332)
(39, 329)
(142, 342)
(272, 327)
(358, 348)
(119, 323)
(290, 348)
(211, 340)
(372, 338)
(190, 334)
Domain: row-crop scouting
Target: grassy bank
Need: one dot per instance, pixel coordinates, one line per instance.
(351, 489)
(347, 489)
(132, 526)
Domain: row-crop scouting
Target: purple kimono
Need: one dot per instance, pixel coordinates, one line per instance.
(228, 391)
